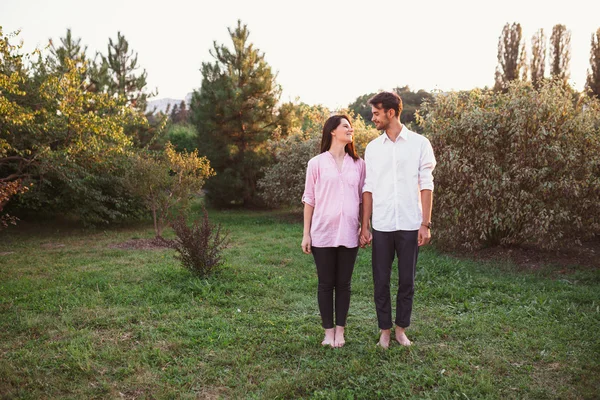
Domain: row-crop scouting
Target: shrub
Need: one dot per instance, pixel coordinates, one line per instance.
(183, 137)
(167, 181)
(7, 190)
(521, 167)
(283, 183)
(199, 246)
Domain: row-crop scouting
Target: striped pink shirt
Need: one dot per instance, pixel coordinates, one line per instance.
(336, 198)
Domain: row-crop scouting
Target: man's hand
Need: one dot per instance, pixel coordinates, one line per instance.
(306, 243)
(424, 235)
(365, 237)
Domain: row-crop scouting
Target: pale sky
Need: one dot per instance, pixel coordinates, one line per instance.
(325, 52)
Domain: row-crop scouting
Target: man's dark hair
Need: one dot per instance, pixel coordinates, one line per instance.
(387, 101)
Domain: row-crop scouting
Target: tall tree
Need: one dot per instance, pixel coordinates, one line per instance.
(235, 114)
(69, 49)
(510, 56)
(538, 58)
(124, 79)
(592, 83)
(560, 52)
(180, 113)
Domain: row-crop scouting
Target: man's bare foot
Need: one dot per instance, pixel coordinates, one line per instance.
(329, 337)
(339, 337)
(384, 339)
(401, 337)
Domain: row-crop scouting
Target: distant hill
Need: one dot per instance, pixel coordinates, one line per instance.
(162, 104)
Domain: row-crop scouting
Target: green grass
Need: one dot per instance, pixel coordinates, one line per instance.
(85, 320)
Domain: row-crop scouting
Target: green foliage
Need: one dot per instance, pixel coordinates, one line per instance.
(411, 101)
(235, 114)
(122, 78)
(592, 83)
(69, 50)
(183, 137)
(69, 140)
(199, 247)
(167, 181)
(361, 107)
(521, 167)
(283, 183)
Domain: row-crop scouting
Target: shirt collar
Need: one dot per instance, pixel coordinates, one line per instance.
(403, 134)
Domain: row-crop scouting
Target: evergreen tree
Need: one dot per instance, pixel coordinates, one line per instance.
(235, 114)
(560, 52)
(538, 58)
(180, 114)
(70, 49)
(123, 78)
(510, 56)
(174, 112)
(592, 83)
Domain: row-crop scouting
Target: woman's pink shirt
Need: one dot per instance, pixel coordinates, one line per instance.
(336, 197)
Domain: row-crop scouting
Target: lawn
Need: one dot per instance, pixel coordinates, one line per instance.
(81, 319)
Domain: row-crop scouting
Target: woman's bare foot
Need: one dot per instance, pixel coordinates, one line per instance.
(401, 337)
(329, 337)
(384, 339)
(339, 337)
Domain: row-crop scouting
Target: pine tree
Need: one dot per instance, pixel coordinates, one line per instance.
(560, 52)
(510, 56)
(592, 83)
(70, 49)
(121, 68)
(235, 113)
(538, 58)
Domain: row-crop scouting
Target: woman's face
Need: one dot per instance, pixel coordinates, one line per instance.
(344, 132)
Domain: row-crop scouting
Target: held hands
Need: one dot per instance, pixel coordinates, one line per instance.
(306, 243)
(365, 237)
(424, 236)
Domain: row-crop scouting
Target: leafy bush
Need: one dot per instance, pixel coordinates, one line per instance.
(166, 181)
(283, 183)
(183, 137)
(68, 140)
(521, 167)
(7, 190)
(200, 246)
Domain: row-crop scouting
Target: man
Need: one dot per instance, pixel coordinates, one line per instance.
(398, 194)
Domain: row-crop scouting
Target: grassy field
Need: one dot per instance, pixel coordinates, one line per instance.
(81, 319)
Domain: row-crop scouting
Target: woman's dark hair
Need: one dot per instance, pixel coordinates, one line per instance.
(330, 125)
(387, 101)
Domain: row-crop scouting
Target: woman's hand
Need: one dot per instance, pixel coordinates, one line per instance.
(306, 243)
(365, 237)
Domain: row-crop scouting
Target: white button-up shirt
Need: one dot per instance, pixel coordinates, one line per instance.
(395, 175)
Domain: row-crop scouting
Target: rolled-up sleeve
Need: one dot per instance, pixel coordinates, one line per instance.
(309, 187)
(426, 166)
(369, 174)
(361, 179)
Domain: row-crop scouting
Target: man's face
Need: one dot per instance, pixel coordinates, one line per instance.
(380, 118)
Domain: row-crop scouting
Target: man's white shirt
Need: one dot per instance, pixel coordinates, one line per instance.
(396, 172)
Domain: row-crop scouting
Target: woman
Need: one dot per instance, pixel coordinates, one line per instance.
(332, 210)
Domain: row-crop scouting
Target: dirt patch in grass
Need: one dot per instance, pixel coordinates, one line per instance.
(533, 259)
(141, 244)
